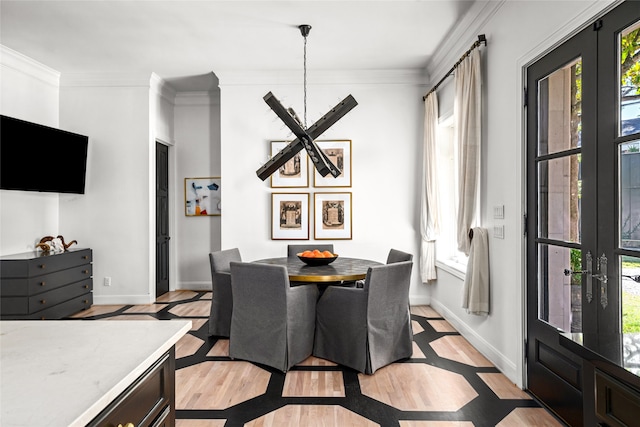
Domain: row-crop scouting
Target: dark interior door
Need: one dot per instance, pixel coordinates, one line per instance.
(583, 205)
(162, 219)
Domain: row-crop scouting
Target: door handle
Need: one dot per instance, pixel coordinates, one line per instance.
(602, 277)
(602, 268)
(568, 272)
(634, 278)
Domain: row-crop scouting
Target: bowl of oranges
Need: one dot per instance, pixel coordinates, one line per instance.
(317, 257)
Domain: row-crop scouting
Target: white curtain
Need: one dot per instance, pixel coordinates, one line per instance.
(429, 194)
(467, 107)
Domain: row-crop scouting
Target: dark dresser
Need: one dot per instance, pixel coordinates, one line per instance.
(39, 285)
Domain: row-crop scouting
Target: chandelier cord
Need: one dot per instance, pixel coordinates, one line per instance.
(305, 81)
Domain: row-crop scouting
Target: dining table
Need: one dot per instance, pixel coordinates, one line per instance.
(343, 269)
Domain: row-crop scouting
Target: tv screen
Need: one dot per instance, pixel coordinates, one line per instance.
(34, 157)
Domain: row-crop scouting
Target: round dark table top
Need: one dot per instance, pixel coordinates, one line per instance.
(342, 269)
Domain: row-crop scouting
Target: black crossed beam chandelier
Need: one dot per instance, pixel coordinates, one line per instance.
(305, 138)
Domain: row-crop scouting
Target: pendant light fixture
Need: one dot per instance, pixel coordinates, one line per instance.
(305, 136)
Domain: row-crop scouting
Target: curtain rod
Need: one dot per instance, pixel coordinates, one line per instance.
(481, 39)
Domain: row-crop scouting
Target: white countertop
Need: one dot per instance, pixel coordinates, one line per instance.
(64, 372)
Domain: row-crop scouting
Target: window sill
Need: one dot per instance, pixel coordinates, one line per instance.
(452, 267)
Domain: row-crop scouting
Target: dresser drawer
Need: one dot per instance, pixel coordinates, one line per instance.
(41, 263)
(60, 295)
(59, 311)
(45, 283)
(33, 304)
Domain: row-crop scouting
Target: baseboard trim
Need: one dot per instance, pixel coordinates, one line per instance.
(502, 363)
(123, 299)
(419, 300)
(193, 286)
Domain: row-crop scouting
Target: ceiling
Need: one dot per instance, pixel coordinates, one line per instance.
(185, 41)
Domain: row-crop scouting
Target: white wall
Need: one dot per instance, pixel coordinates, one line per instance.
(512, 43)
(197, 124)
(386, 132)
(114, 217)
(28, 91)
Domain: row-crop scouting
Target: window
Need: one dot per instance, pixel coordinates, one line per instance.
(448, 257)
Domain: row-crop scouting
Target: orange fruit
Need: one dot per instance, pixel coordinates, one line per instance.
(306, 254)
(316, 252)
(319, 255)
(328, 254)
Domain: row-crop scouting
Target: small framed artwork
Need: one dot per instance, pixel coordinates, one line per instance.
(294, 173)
(289, 216)
(339, 152)
(202, 196)
(332, 219)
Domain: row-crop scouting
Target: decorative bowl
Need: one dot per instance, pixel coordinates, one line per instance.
(315, 262)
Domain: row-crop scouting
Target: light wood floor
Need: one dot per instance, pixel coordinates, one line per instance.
(446, 383)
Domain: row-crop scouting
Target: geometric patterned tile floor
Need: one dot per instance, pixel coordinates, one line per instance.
(446, 383)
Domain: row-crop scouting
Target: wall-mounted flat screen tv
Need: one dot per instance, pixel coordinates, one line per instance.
(34, 157)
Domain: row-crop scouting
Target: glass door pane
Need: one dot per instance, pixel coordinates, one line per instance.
(559, 186)
(629, 221)
(560, 295)
(560, 109)
(629, 81)
(630, 278)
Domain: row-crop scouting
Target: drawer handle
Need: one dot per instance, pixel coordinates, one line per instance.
(86, 286)
(85, 271)
(85, 257)
(42, 266)
(87, 302)
(42, 283)
(43, 301)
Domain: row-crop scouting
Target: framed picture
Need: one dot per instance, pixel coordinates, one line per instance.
(339, 152)
(289, 216)
(202, 196)
(294, 173)
(332, 219)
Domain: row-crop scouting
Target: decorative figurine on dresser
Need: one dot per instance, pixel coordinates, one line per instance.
(52, 282)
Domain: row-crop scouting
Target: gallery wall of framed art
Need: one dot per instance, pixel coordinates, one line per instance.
(291, 212)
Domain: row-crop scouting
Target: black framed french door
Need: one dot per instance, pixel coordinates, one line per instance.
(581, 203)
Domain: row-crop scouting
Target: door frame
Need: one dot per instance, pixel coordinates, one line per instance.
(172, 220)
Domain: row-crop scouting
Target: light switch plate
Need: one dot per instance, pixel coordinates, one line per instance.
(498, 212)
(498, 231)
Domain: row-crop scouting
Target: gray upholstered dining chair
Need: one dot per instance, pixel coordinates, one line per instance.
(222, 301)
(398, 256)
(272, 323)
(394, 256)
(370, 327)
(293, 250)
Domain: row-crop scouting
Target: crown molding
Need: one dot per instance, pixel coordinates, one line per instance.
(106, 79)
(161, 87)
(321, 77)
(19, 62)
(198, 98)
(464, 35)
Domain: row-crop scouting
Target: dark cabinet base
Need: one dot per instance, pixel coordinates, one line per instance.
(36, 285)
(148, 402)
